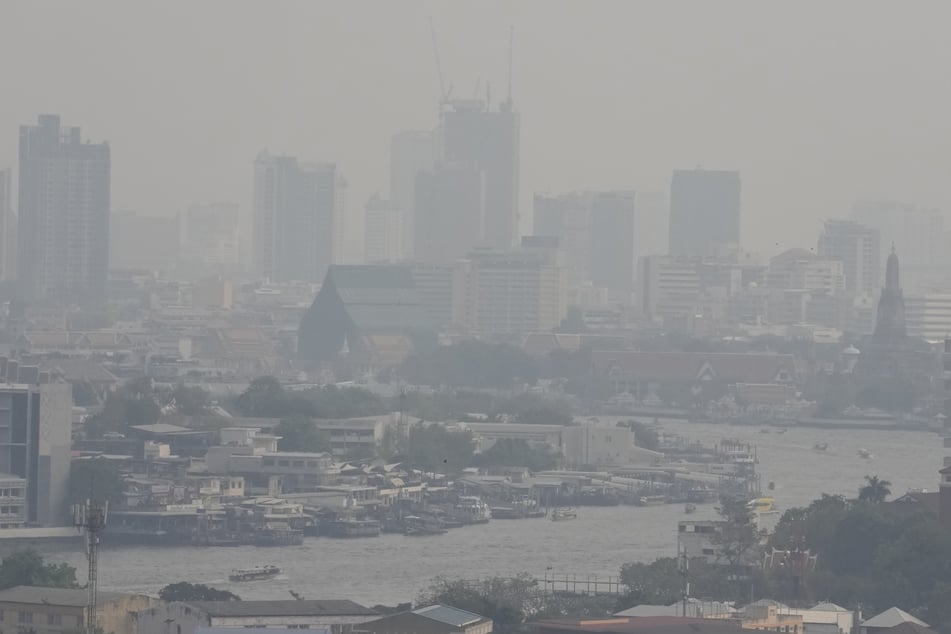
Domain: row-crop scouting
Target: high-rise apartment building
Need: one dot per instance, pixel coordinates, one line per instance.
(383, 231)
(596, 232)
(799, 269)
(411, 152)
(296, 209)
(513, 292)
(7, 227)
(858, 248)
(474, 135)
(704, 211)
(64, 207)
(450, 212)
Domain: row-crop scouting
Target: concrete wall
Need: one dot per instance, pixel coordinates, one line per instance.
(56, 408)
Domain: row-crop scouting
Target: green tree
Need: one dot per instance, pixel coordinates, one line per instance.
(737, 535)
(28, 568)
(190, 401)
(644, 436)
(435, 448)
(347, 402)
(267, 398)
(132, 404)
(301, 434)
(875, 490)
(657, 583)
(516, 452)
(509, 602)
(184, 591)
(94, 479)
(573, 321)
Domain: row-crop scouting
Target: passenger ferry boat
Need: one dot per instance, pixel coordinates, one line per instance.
(652, 500)
(260, 573)
(762, 505)
(559, 515)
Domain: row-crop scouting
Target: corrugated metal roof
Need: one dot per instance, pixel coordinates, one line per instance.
(449, 615)
(336, 607)
(72, 597)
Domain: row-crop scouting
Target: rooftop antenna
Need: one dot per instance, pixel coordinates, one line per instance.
(90, 518)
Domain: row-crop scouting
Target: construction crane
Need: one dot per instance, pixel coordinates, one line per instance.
(443, 93)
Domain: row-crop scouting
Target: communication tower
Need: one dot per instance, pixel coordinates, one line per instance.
(90, 518)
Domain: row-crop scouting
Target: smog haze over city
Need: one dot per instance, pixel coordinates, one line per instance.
(462, 317)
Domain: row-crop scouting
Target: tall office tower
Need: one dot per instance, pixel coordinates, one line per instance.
(704, 211)
(596, 232)
(383, 231)
(7, 227)
(63, 245)
(143, 242)
(651, 223)
(488, 140)
(411, 152)
(210, 243)
(611, 259)
(568, 218)
(916, 232)
(858, 248)
(450, 212)
(296, 206)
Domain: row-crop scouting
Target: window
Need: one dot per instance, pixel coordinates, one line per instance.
(25, 617)
(54, 619)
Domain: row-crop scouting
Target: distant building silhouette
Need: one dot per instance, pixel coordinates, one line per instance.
(857, 247)
(383, 231)
(475, 136)
(704, 211)
(450, 212)
(890, 320)
(8, 227)
(64, 203)
(297, 208)
(596, 232)
(211, 244)
(411, 152)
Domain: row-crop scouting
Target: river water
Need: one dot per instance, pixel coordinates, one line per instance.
(393, 568)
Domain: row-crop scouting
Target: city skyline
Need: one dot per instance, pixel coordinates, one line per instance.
(639, 139)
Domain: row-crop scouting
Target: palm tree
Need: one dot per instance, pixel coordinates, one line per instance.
(875, 490)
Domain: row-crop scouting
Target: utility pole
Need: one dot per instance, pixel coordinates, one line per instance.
(683, 565)
(91, 519)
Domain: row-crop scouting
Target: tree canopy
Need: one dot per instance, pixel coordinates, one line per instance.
(301, 434)
(435, 448)
(184, 591)
(875, 490)
(266, 397)
(516, 452)
(28, 568)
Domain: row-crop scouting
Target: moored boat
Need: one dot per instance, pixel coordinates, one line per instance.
(260, 573)
(690, 508)
(559, 515)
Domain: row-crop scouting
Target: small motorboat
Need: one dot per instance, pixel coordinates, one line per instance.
(820, 446)
(260, 573)
(559, 515)
(864, 453)
(690, 508)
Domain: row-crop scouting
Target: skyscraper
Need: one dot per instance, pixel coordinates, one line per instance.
(7, 227)
(488, 140)
(383, 231)
(857, 247)
(704, 210)
(63, 245)
(596, 232)
(450, 212)
(411, 152)
(890, 320)
(296, 208)
(611, 259)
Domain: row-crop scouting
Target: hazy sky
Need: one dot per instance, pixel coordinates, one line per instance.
(816, 103)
